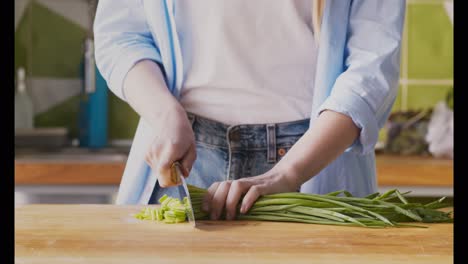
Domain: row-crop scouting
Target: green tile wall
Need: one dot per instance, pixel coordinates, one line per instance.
(397, 103)
(49, 45)
(427, 55)
(422, 96)
(430, 42)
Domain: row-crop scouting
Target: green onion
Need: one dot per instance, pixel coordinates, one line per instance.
(401, 197)
(373, 211)
(171, 210)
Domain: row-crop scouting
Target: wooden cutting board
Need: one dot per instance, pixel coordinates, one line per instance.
(110, 234)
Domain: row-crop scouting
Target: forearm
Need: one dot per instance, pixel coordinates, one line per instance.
(147, 93)
(330, 135)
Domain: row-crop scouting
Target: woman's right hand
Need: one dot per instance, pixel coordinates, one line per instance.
(174, 141)
(146, 92)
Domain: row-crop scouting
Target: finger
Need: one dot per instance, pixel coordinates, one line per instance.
(219, 199)
(166, 158)
(171, 151)
(162, 180)
(188, 160)
(164, 165)
(238, 188)
(250, 197)
(152, 162)
(206, 204)
(153, 159)
(164, 177)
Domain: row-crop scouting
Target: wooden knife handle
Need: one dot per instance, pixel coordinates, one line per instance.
(175, 173)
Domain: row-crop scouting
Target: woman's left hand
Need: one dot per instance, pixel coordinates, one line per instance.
(227, 194)
(331, 134)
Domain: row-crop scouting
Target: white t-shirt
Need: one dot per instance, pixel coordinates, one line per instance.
(247, 62)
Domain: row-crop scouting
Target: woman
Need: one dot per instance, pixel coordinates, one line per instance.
(252, 97)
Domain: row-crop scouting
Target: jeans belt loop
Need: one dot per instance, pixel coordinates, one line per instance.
(271, 143)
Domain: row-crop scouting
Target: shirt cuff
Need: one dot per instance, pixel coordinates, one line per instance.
(354, 106)
(125, 63)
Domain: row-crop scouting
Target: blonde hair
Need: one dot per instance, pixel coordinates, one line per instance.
(317, 13)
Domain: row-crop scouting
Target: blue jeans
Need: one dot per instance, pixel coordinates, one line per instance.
(227, 152)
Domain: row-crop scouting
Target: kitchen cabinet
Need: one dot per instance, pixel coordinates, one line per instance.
(110, 234)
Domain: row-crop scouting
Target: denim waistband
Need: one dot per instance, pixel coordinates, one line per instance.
(247, 136)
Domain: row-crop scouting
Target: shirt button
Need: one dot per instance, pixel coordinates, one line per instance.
(281, 151)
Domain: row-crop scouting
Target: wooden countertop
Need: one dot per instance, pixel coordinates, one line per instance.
(109, 234)
(391, 171)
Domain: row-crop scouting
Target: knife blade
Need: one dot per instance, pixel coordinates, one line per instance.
(178, 178)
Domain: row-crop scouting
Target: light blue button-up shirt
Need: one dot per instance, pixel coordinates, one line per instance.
(357, 74)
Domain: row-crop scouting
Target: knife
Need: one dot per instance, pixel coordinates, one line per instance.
(178, 178)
